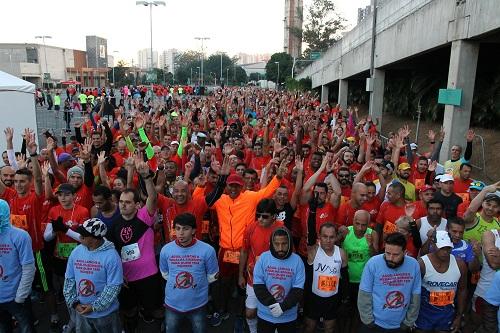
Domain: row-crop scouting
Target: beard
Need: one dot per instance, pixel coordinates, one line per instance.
(392, 264)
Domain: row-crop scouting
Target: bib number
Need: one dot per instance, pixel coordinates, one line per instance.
(65, 249)
(328, 283)
(19, 221)
(130, 252)
(441, 298)
(389, 227)
(232, 257)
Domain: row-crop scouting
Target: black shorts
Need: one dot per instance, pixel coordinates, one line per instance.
(145, 293)
(316, 307)
(43, 272)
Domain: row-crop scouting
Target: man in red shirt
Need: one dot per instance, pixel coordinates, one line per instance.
(255, 242)
(359, 196)
(462, 182)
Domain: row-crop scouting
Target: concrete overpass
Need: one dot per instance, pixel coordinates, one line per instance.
(406, 29)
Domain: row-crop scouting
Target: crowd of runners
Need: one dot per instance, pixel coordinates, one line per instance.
(261, 205)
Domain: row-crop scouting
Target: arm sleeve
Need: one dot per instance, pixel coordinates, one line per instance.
(107, 296)
(130, 145)
(23, 147)
(49, 233)
(73, 234)
(88, 177)
(311, 227)
(415, 234)
(184, 134)
(293, 297)
(213, 196)
(413, 309)
(12, 159)
(365, 307)
(144, 138)
(69, 291)
(437, 151)
(468, 151)
(196, 168)
(24, 288)
(263, 295)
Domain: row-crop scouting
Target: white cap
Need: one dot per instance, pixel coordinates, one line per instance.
(413, 146)
(201, 135)
(174, 143)
(443, 239)
(446, 178)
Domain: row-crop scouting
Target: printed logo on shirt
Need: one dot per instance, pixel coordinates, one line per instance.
(394, 300)
(184, 280)
(126, 234)
(327, 268)
(278, 292)
(323, 215)
(281, 216)
(86, 288)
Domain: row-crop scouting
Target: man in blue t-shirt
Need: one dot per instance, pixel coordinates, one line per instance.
(389, 292)
(278, 282)
(17, 271)
(93, 280)
(189, 266)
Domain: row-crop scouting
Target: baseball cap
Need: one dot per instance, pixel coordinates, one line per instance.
(201, 135)
(477, 185)
(427, 187)
(443, 239)
(64, 157)
(235, 179)
(438, 178)
(404, 166)
(492, 197)
(174, 114)
(92, 228)
(351, 139)
(413, 146)
(65, 188)
(174, 142)
(446, 178)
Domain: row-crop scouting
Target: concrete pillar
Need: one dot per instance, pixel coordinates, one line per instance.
(324, 93)
(343, 91)
(461, 75)
(377, 96)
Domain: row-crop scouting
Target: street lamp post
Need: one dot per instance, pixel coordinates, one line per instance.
(202, 55)
(227, 76)
(173, 73)
(150, 4)
(278, 79)
(199, 75)
(45, 55)
(220, 70)
(114, 70)
(191, 77)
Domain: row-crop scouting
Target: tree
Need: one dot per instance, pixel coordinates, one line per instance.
(285, 66)
(323, 27)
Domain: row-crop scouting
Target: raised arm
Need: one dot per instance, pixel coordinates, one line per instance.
(37, 172)
(147, 175)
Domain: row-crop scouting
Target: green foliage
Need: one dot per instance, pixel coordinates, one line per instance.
(285, 67)
(300, 85)
(323, 27)
(486, 101)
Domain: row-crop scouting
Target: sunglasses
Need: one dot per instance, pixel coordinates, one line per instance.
(263, 215)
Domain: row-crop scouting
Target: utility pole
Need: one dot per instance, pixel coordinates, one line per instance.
(202, 55)
(45, 55)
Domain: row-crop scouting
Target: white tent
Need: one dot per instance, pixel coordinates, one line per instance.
(17, 108)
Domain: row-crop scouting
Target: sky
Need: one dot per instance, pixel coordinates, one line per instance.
(233, 26)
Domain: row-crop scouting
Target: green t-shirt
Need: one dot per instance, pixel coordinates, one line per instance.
(83, 98)
(480, 226)
(358, 253)
(57, 100)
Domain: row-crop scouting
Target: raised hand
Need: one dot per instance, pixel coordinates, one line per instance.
(9, 133)
(410, 209)
(45, 168)
(470, 135)
(228, 148)
(21, 161)
(51, 144)
(27, 133)
(431, 135)
(188, 168)
(432, 167)
(142, 168)
(226, 166)
(101, 158)
(31, 144)
(299, 163)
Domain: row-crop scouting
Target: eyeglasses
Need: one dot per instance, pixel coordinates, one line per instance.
(263, 215)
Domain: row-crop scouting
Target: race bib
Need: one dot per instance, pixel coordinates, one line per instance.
(441, 298)
(328, 283)
(232, 257)
(19, 221)
(130, 252)
(65, 249)
(389, 227)
(204, 226)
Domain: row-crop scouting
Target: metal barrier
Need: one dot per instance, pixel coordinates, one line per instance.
(478, 160)
(55, 121)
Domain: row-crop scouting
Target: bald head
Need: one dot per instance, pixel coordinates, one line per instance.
(180, 192)
(7, 174)
(359, 194)
(360, 222)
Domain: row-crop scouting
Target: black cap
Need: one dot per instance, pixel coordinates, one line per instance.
(66, 188)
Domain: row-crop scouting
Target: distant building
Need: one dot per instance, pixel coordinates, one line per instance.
(167, 60)
(37, 63)
(97, 52)
(111, 61)
(364, 13)
(144, 58)
(244, 58)
(292, 43)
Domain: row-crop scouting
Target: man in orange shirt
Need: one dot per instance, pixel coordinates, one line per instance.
(236, 210)
(359, 195)
(475, 187)
(255, 242)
